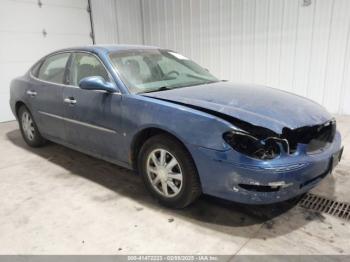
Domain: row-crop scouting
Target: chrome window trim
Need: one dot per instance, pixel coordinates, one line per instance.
(72, 86)
(78, 122)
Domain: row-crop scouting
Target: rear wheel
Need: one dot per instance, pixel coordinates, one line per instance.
(29, 129)
(169, 172)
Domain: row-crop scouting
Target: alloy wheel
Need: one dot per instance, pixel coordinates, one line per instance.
(28, 125)
(164, 173)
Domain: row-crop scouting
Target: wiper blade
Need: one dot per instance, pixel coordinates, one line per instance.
(162, 88)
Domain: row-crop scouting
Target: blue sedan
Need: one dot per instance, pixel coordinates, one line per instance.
(181, 128)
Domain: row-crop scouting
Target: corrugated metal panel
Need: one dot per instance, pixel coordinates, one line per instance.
(117, 21)
(285, 44)
(105, 21)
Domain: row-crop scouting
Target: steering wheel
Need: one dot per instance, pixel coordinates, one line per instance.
(173, 72)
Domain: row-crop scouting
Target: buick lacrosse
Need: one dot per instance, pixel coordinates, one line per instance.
(181, 128)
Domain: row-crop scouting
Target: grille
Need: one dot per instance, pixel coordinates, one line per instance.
(315, 137)
(322, 137)
(326, 205)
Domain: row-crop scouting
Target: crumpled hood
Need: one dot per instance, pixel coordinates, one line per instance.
(258, 105)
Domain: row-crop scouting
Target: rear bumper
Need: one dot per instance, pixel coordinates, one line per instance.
(232, 176)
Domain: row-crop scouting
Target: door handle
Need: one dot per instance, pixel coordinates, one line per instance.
(70, 100)
(31, 93)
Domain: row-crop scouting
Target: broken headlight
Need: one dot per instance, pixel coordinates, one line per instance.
(264, 149)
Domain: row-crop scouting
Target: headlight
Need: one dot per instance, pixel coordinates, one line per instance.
(249, 145)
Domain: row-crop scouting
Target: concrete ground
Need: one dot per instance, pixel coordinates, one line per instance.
(58, 201)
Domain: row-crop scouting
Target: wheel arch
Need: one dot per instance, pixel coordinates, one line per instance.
(18, 104)
(143, 135)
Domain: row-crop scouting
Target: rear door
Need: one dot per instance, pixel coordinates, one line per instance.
(93, 118)
(45, 95)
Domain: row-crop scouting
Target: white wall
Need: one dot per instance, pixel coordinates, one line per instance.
(280, 43)
(66, 22)
(117, 21)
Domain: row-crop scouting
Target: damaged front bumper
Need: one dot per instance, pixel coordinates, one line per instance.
(236, 177)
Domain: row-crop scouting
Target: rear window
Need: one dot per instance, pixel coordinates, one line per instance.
(53, 68)
(35, 68)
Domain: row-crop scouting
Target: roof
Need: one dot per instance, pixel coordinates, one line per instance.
(108, 48)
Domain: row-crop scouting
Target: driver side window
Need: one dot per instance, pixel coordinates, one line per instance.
(85, 65)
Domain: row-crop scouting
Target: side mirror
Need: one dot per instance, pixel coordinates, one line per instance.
(97, 83)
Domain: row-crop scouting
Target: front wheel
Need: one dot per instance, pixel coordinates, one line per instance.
(29, 129)
(169, 172)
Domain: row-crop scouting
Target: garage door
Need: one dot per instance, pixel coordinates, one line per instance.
(30, 29)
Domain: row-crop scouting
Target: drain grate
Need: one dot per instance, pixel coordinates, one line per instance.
(326, 205)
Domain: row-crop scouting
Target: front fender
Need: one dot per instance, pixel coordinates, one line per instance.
(190, 126)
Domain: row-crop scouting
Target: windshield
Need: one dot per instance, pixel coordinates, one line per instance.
(156, 70)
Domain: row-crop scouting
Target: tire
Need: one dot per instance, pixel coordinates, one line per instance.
(26, 121)
(181, 192)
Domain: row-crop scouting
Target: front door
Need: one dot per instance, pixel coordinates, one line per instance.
(93, 117)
